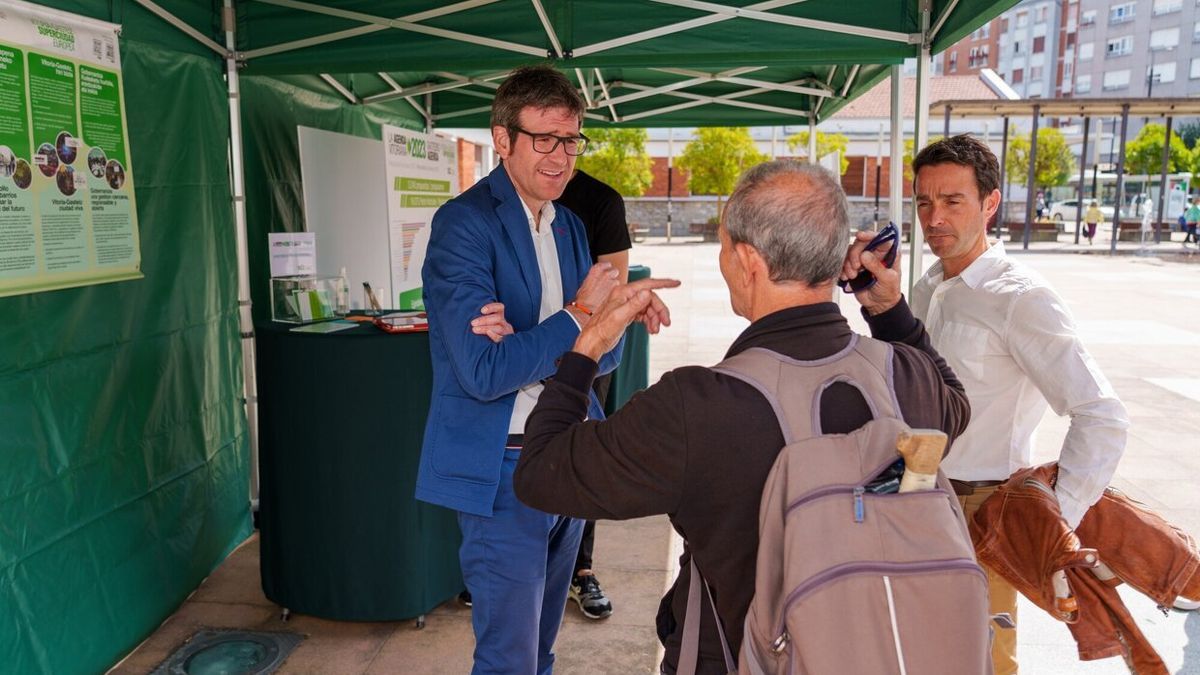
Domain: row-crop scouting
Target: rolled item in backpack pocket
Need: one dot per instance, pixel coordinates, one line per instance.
(922, 450)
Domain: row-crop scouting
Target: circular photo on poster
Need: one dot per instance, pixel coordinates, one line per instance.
(96, 162)
(114, 173)
(68, 147)
(65, 179)
(8, 162)
(23, 174)
(46, 160)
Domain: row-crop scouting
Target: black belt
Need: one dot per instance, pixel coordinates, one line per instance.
(966, 488)
(515, 441)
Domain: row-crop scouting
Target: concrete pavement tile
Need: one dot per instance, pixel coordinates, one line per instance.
(1155, 466)
(1188, 387)
(334, 646)
(237, 580)
(719, 328)
(1187, 520)
(443, 646)
(623, 650)
(1179, 440)
(633, 545)
(1167, 493)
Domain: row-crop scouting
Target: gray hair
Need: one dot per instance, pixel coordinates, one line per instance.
(795, 216)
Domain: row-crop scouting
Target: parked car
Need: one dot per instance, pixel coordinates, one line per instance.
(1065, 211)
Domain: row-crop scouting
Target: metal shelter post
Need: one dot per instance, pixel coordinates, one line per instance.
(812, 141)
(1162, 184)
(1030, 184)
(920, 138)
(238, 188)
(1087, 123)
(1003, 177)
(878, 175)
(946, 123)
(1120, 179)
(896, 168)
(670, 176)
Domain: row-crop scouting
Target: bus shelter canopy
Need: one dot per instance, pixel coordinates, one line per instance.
(1070, 107)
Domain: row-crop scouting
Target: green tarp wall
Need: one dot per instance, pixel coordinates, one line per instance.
(124, 457)
(123, 445)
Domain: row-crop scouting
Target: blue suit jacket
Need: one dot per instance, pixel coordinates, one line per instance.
(480, 251)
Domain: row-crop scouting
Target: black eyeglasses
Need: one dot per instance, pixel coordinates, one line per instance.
(548, 143)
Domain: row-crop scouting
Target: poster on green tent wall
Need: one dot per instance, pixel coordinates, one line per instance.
(67, 210)
(422, 174)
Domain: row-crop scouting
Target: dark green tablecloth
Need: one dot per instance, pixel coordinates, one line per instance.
(341, 417)
(632, 375)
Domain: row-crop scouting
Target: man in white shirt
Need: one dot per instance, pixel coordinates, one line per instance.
(1011, 340)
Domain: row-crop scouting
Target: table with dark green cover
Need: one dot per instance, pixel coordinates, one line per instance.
(632, 375)
(341, 416)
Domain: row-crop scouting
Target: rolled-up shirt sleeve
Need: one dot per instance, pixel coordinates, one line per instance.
(1045, 344)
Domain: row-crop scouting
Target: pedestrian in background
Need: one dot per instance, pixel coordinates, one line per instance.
(1092, 217)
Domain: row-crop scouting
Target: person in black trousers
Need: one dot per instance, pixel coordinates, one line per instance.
(602, 210)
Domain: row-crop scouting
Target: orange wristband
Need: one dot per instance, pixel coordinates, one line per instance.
(580, 307)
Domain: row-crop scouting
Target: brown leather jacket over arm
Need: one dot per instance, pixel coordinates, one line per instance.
(1020, 534)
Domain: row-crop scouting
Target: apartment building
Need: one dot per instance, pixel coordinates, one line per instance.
(1037, 47)
(968, 56)
(1140, 48)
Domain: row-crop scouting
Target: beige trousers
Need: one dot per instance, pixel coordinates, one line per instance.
(1002, 598)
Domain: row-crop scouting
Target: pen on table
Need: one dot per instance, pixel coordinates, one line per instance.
(371, 297)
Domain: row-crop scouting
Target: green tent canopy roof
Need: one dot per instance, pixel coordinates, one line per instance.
(639, 62)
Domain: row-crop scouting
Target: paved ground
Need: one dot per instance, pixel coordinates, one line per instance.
(1140, 315)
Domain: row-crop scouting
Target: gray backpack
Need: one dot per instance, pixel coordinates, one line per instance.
(850, 581)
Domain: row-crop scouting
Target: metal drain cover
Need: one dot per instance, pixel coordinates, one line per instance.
(230, 652)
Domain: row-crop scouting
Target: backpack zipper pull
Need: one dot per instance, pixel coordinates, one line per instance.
(858, 504)
(780, 643)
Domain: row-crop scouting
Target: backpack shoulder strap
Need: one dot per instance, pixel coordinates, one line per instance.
(794, 387)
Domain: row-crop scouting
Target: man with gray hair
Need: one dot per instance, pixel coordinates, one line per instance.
(698, 445)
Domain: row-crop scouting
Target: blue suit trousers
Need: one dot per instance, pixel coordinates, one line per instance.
(517, 564)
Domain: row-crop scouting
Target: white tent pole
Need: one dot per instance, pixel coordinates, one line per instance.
(920, 138)
(896, 170)
(812, 141)
(238, 188)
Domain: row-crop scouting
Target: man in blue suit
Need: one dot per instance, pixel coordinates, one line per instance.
(508, 283)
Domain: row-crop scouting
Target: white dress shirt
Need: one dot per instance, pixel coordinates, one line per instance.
(552, 302)
(1012, 341)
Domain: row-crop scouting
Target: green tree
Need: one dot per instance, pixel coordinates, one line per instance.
(1055, 163)
(826, 143)
(1143, 155)
(716, 158)
(908, 156)
(618, 157)
(1190, 133)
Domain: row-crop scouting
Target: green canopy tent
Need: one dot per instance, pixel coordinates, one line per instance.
(125, 444)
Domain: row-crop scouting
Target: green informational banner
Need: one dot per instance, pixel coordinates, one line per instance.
(67, 211)
(422, 174)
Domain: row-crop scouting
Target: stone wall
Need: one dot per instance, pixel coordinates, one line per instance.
(651, 213)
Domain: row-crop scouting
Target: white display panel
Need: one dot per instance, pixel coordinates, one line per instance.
(345, 205)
